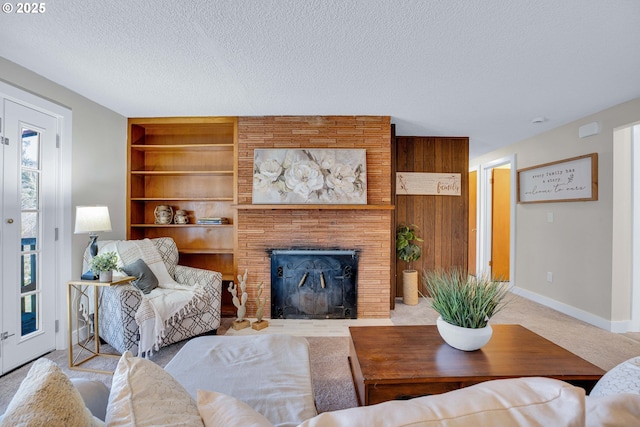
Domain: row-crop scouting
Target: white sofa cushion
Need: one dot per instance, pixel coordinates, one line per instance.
(143, 394)
(614, 410)
(270, 373)
(46, 397)
(510, 402)
(221, 410)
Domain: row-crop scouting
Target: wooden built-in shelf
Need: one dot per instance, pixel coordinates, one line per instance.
(182, 199)
(188, 163)
(185, 173)
(182, 147)
(318, 207)
(206, 251)
(180, 225)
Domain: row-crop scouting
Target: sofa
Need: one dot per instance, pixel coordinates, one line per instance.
(144, 394)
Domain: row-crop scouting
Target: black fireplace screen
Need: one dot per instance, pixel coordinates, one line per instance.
(314, 284)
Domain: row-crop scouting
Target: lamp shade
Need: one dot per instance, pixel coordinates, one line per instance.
(90, 219)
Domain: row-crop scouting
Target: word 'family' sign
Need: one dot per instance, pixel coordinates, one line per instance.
(431, 184)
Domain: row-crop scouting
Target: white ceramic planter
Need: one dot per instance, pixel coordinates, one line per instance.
(106, 276)
(466, 339)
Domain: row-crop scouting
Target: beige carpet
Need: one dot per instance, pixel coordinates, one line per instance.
(330, 369)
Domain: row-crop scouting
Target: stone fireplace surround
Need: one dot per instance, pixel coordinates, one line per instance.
(367, 229)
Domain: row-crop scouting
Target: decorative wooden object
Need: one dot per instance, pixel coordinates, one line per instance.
(188, 164)
(260, 324)
(240, 300)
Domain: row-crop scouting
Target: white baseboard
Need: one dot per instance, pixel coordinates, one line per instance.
(592, 319)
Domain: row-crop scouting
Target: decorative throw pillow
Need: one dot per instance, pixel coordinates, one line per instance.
(46, 397)
(509, 402)
(221, 410)
(143, 394)
(146, 280)
(624, 378)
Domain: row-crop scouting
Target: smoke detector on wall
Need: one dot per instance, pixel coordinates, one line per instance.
(539, 119)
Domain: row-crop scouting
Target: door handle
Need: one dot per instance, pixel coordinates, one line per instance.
(10, 220)
(5, 335)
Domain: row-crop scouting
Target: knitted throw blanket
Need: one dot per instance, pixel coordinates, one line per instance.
(164, 305)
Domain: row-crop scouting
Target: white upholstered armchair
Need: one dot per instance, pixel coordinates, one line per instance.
(119, 304)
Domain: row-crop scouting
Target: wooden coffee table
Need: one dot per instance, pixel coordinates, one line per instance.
(400, 362)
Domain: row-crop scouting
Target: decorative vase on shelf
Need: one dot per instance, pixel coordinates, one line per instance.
(181, 217)
(163, 214)
(106, 276)
(466, 339)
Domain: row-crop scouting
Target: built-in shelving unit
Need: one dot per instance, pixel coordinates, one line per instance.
(318, 207)
(188, 163)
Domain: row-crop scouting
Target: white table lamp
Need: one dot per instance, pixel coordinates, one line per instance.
(92, 219)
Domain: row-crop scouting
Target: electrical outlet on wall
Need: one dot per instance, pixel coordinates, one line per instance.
(549, 277)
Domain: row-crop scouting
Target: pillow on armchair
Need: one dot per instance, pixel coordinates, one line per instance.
(146, 281)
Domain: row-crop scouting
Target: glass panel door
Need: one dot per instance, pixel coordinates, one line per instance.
(28, 244)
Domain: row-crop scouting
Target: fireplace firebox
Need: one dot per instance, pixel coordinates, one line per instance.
(314, 284)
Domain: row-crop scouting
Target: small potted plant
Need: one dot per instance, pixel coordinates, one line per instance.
(408, 251)
(465, 304)
(104, 265)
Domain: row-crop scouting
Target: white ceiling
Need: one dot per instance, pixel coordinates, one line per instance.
(482, 69)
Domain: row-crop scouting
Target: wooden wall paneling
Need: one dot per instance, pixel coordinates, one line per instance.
(442, 219)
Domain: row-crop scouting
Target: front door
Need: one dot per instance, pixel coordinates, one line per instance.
(27, 235)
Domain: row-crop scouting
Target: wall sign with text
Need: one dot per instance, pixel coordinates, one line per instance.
(430, 184)
(569, 180)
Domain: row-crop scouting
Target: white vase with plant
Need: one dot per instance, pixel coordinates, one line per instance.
(408, 250)
(104, 265)
(465, 304)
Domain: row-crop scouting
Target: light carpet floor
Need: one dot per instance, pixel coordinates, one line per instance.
(329, 346)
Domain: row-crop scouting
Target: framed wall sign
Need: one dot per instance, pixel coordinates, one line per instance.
(569, 180)
(430, 184)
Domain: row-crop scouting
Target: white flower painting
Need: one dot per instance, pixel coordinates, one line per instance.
(318, 176)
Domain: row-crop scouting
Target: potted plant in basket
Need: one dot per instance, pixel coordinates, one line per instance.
(408, 251)
(465, 304)
(104, 265)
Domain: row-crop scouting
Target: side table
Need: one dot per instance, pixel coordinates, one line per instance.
(82, 298)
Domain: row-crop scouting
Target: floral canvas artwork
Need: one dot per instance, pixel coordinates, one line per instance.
(315, 176)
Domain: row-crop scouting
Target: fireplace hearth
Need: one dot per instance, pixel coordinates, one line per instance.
(314, 283)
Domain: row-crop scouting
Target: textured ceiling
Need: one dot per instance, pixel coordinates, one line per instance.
(482, 69)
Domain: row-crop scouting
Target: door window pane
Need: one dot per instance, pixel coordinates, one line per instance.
(30, 189)
(29, 225)
(30, 148)
(29, 313)
(29, 272)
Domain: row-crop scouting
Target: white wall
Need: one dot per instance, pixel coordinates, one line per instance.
(578, 246)
(99, 152)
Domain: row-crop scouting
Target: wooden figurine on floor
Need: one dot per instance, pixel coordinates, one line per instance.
(260, 324)
(239, 301)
